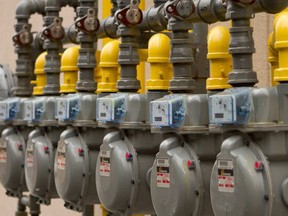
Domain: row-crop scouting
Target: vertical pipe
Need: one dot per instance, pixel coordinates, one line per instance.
(241, 44)
(87, 23)
(53, 45)
(22, 42)
(88, 210)
(128, 53)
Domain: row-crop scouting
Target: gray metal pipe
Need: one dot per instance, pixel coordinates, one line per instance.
(270, 6)
(87, 24)
(54, 33)
(22, 42)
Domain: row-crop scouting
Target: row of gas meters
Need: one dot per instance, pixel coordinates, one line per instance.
(179, 154)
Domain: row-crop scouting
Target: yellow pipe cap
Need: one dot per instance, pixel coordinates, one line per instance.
(40, 81)
(218, 43)
(160, 67)
(219, 57)
(69, 70)
(109, 67)
(159, 49)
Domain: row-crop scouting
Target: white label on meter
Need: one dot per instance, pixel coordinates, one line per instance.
(3, 110)
(105, 163)
(226, 180)
(163, 173)
(223, 109)
(61, 159)
(29, 155)
(27, 110)
(61, 108)
(105, 109)
(161, 114)
(3, 151)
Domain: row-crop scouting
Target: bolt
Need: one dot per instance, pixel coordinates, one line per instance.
(170, 9)
(119, 16)
(78, 24)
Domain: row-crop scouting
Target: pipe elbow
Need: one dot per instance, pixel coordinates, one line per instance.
(69, 59)
(272, 52)
(109, 54)
(218, 43)
(273, 6)
(281, 29)
(159, 49)
(26, 8)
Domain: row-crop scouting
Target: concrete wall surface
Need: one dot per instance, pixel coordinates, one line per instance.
(262, 27)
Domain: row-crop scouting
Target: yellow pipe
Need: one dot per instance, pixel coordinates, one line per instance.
(272, 58)
(40, 81)
(109, 67)
(219, 57)
(281, 45)
(160, 67)
(141, 69)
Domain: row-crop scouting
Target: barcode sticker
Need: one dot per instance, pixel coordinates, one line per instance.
(105, 166)
(163, 173)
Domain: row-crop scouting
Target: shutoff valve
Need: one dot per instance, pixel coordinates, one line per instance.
(181, 9)
(130, 15)
(55, 31)
(23, 37)
(88, 23)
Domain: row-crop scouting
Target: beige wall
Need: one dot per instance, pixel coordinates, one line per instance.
(262, 27)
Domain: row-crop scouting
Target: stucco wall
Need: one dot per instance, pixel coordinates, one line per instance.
(262, 28)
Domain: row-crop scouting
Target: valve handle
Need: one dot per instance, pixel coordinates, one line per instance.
(55, 31)
(131, 15)
(181, 9)
(88, 23)
(23, 37)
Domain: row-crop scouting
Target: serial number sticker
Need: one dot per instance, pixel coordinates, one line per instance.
(226, 179)
(61, 159)
(3, 151)
(29, 155)
(163, 173)
(105, 165)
